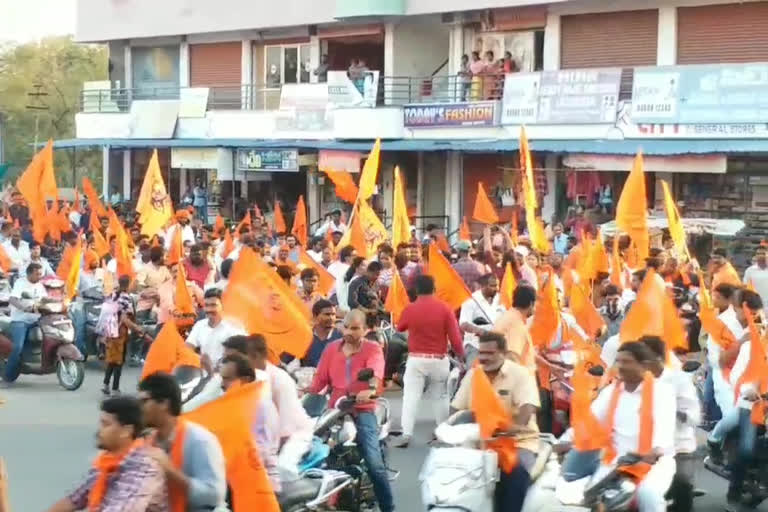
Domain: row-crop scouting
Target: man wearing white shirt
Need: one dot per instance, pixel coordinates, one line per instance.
(210, 333)
(757, 274)
(187, 234)
(27, 291)
(722, 298)
(739, 416)
(334, 224)
(35, 257)
(221, 284)
(631, 363)
(17, 250)
(483, 304)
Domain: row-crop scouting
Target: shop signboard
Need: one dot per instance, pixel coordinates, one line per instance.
(579, 96)
(701, 94)
(440, 115)
(520, 104)
(270, 160)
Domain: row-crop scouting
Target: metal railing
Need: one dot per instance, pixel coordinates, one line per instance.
(399, 90)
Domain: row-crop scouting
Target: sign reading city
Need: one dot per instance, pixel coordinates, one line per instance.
(270, 160)
(433, 115)
(726, 93)
(579, 96)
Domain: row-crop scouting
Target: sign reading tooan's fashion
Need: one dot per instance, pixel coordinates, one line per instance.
(431, 115)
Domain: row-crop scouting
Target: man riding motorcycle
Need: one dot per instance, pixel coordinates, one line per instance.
(27, 291)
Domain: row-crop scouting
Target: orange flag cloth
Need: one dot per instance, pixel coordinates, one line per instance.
(450, 286)
(153, 204)
(73, 275)
(401, 225)
(168, 351)
(344, 184)
(185, 313)
(37, 182)
(261, 302)
(5, 262)
(507, 286)
(299, 229)
(546, 315)
(176, 251)
(588, 433)
(326, 281)
(355, 235)
(491, 416)
(484, 210)
(617, 267)
(279, 220)
(464, 233)
(632, 208)
(756, 371)
(93, 199)
(584, 311)
(230, 418)
(370, 172)
(397, 298)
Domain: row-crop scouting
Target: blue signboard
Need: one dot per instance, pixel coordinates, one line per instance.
(432, 115)
(727, 93)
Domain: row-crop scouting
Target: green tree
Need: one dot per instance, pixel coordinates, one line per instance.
(59, 66)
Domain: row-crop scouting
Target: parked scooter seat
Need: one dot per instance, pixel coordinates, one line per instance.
(544, 453)
(298, 492)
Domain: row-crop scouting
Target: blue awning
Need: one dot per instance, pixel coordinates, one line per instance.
(659, 147)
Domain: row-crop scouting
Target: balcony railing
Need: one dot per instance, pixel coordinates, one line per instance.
(392, 90)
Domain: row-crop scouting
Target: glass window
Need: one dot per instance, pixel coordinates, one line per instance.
(156, 70)
(305, 66)
(290, 65)
(274, 71)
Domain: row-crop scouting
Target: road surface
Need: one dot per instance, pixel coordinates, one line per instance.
(47, 440)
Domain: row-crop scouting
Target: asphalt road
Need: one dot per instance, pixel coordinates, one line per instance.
(47, 440)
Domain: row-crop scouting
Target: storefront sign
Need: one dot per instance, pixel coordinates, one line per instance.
(579, 96)
(195, 158)
(339, 160)
(343, 92)
(727, 93)
(520, 104)
(277, 160)
(478, 113)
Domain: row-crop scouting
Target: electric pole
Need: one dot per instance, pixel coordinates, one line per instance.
(37, 103)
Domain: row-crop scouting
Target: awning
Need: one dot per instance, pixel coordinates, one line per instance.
(692, 225)
(609, 147)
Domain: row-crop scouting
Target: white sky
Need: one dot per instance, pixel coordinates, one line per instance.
(28, 20)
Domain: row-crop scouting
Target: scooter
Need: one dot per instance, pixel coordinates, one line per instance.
(49, 346)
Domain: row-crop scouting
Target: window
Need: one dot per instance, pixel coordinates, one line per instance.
(287, 64)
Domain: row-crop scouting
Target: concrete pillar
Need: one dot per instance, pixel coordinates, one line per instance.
(552, 43)
(184, 64)
(454, 180)
(666, 51)
(314, 57)
(246, 74)
(128, 67)
(127, 174)
(313, 194)
(389, 61)
(105, 172)
(456, 45)
(183, 178)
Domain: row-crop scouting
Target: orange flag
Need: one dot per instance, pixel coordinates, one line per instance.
(491, 416)
(588, 433)
(37, 182)
(464, 233)
(176, 251)
(710, 322)
(219, 224)
(261, 302)
(230, 418)
(370, 172)
(326, 281)
(299, 229)
(123, 250)
(73, 276)
(278, 221)
(5, 262)
(507, 286)
(356, 236)
(93, 199)
(632, 208)
(514, 230)
(154, 204)
(450, 287)
(401, 225)
(167, 351)
(757, 369)
(397, 298)
(67, 257)
(584, 311)
(484, 210)
(600, 261)
(343, 183)
(185, 311)
(653, 313)
(100, 245)
(442, 243)
(246, 222)
(617, 266)
(546, 315)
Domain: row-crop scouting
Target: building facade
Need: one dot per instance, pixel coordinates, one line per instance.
(254, 98)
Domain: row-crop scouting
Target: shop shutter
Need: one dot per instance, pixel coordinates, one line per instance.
(611, 39)
(711, 34)
(218, 66)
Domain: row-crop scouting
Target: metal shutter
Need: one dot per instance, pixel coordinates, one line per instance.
(610, 39)
(218, 66)
(722, 33)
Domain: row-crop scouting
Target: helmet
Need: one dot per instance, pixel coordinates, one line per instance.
(191, 380)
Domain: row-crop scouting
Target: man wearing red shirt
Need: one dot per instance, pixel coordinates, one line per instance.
(430, 324)
(339, 365)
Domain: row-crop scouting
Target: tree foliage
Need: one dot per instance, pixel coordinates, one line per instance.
(60, 67)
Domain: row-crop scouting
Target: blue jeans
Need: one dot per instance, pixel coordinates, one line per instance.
(711, 409)
(725, 426)
(18, 331)
(78, 317)
(368, 444)
(747, 441)
(578, 465)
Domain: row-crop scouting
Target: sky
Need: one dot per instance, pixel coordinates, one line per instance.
(29, 20)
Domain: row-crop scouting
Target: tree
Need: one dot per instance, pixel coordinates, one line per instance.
(60, 67)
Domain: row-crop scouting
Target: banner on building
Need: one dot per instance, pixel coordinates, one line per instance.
(304, 107)
(579, 96)
(434, 115)
(270, 160)
(520, 104)
(343, 92)
(725, 93)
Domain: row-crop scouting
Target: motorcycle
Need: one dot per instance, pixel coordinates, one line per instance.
(90, 306)
(49, 346)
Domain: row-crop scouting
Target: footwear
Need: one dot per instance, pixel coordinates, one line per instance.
(715, 452)
(116, 392)
(105, 390)
(403, 442)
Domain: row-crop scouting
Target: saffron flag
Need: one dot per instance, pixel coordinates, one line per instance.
(370, 173)
(588, 433)
(675, 223)
(176, 251)
(73, 276)
(449, 285)
(484, 210)
(584, 311)
(546, 315)
(507, 286)
(93, 199)
(299, 229)
(397, 298)
(535, 225)
(491, 416)
(37, 182)
(325, 281)
(401, 225)
(617, 266)
(632, 208)
(185, 311)
(154, 204)
(464, 233)
(344, 184)
(278, 221)
(756, 371)
(168, 351)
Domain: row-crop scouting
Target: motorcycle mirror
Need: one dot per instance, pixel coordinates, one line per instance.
(596, 371)
(481, 321)
(691, 366)
(365, 375)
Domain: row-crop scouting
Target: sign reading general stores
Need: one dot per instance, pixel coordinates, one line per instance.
(477, 113)
(581, 96)
(271, 160)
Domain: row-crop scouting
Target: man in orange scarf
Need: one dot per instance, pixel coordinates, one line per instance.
(124, 477)
(638, 395)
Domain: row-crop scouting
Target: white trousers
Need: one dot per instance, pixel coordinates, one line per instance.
(651, 492)
(291, 453)
(421, 372)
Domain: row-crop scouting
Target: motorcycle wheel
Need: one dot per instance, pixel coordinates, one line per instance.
(70, 374)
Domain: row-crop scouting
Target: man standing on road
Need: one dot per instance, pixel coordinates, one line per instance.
(430, 324)
(484, 304)
(124, 477)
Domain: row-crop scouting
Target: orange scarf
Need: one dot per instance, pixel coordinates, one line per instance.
(106, 464)
(645, 441)
(177, 496)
